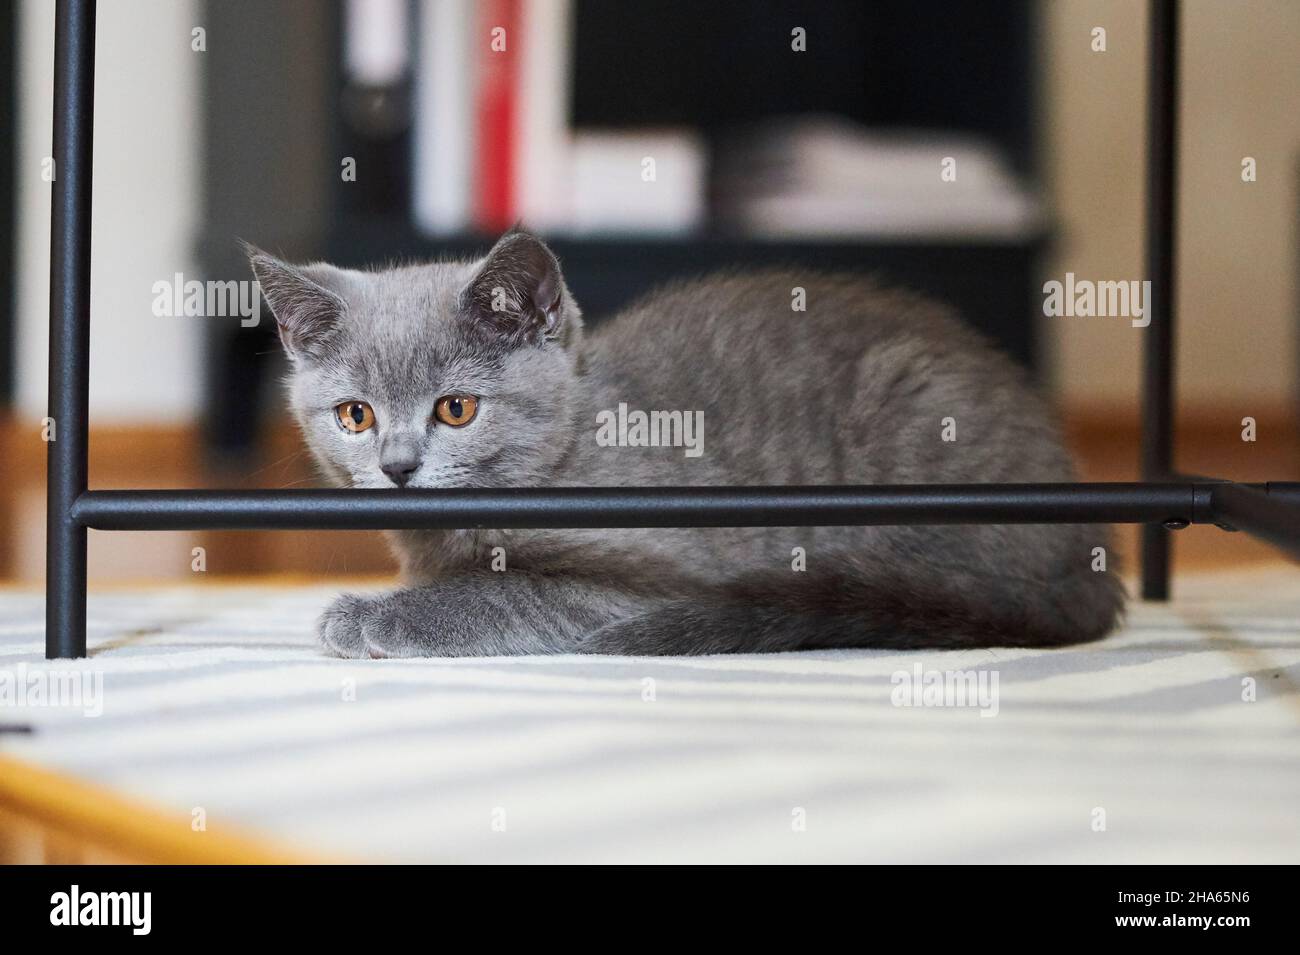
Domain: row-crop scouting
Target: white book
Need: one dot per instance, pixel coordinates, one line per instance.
(375, 41)
(810, 177)
(642, 181)
(542, 161)
(443, 120)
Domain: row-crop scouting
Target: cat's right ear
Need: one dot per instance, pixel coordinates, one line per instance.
(518, 293)
(306, 312)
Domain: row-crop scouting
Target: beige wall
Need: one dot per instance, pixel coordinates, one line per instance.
(1236, 291)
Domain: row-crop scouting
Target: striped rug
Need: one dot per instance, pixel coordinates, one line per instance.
(1174, 741)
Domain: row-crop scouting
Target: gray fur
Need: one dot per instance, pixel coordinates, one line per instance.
(852, 391)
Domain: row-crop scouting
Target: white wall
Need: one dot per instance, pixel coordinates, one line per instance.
(147, 127)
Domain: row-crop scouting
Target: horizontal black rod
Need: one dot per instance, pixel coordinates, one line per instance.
(650, 507)
(1265, 511)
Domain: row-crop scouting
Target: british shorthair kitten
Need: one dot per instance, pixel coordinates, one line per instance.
(480, 374)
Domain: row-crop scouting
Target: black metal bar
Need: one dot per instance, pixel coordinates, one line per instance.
(74, 114)
(1259, 510)
(652, 507)
(1161, 222)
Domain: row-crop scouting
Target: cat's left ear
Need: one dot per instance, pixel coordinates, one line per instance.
(519, 293)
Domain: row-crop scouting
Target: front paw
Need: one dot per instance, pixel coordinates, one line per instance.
(376, 626)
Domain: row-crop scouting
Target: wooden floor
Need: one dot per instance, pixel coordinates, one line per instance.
(1106, 446)
(1107, 449)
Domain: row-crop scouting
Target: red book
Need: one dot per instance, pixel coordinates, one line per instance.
(495, 207)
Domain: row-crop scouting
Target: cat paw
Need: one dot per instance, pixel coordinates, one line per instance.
(376, 626)
(341, 628)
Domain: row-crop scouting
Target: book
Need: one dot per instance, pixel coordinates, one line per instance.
(496, 48)
(444, 133)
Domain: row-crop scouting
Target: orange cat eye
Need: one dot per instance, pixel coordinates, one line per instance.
(456, 410)
(355, 416)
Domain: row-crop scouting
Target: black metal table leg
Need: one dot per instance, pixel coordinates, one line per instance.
(1161, 221)
(1270, 511)
(74, 112)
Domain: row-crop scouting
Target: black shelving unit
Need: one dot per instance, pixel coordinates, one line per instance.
(713, 67)
(605, 273)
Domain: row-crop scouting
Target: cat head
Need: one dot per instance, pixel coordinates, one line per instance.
(451, 374)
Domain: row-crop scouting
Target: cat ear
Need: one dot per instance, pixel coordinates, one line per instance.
(518, 292)
(306, 311)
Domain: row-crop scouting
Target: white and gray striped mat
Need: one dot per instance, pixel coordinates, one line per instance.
(1174, 741)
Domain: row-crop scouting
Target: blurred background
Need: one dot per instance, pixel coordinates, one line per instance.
(813, 134)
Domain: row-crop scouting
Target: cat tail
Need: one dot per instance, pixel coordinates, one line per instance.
(940, 609)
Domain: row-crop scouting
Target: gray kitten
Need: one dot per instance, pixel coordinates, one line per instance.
(480, 374)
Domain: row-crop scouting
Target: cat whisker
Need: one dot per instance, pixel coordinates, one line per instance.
(291, 456)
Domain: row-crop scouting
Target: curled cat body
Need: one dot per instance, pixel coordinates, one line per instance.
(481, 374)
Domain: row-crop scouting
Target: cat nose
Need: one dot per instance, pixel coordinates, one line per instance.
(399, 470)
